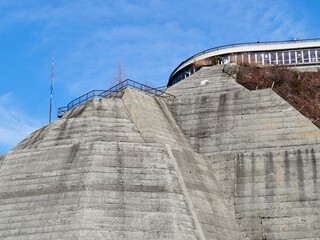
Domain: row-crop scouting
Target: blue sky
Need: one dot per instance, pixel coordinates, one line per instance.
(90, 37)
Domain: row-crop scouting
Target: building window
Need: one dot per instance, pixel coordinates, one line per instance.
(252, 57)
(260, 58)
(280, 58)
(239, 58)
(312, 56)
(299, 57)
(266, 58)
(232, 58)
(292, 57)
(286, 58)
(305, 56)
(273, 58)
(246, 58)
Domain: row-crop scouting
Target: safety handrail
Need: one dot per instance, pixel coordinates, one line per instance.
(112, 91)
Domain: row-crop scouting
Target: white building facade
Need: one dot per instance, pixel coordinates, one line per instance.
(292, 53)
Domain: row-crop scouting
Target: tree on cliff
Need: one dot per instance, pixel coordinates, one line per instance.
(120, 75)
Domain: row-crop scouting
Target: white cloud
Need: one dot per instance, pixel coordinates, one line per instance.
(14, 124)
(89, 38)
(169, 33)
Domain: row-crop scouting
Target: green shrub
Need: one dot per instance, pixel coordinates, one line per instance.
(296, 83)
(217, 59)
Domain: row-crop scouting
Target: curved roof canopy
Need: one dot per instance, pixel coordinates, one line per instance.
(246, 48)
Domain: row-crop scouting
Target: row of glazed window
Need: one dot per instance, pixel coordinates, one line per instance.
(302, 56)
(273, 58)
(186, 72)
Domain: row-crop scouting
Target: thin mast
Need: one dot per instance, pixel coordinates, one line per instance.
(51, 89)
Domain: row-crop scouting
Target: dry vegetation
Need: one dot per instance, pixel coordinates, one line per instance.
(120, 76)
(300, 89)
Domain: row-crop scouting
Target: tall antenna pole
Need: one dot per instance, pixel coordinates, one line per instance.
(51, 89)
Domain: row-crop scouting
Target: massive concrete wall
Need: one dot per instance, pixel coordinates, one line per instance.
(132, 168)
(264, 153)
(213, 216)
(91, 175)
(112, 169)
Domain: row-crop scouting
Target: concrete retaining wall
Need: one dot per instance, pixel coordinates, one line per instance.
(91, 175)
(212, 214)
(263, 152)
(216, 161)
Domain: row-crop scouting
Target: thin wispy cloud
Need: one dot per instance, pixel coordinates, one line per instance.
(14, 124)
(89, 39)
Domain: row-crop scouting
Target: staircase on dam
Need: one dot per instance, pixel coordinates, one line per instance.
(217, 162)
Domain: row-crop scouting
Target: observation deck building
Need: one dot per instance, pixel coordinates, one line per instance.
(298, 53)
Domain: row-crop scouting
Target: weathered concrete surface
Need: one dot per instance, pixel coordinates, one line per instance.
(132, 168)
(213, 216)
(264, 153)
(91, 175)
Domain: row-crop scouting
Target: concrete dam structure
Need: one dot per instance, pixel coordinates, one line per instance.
(217, 161)
(264, 153)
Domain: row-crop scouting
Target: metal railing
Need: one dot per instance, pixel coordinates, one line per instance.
(112, 92)
(244, 44)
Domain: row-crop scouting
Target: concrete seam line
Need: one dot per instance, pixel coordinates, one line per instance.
(129, 113)
(185, 191)
(174, 122)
